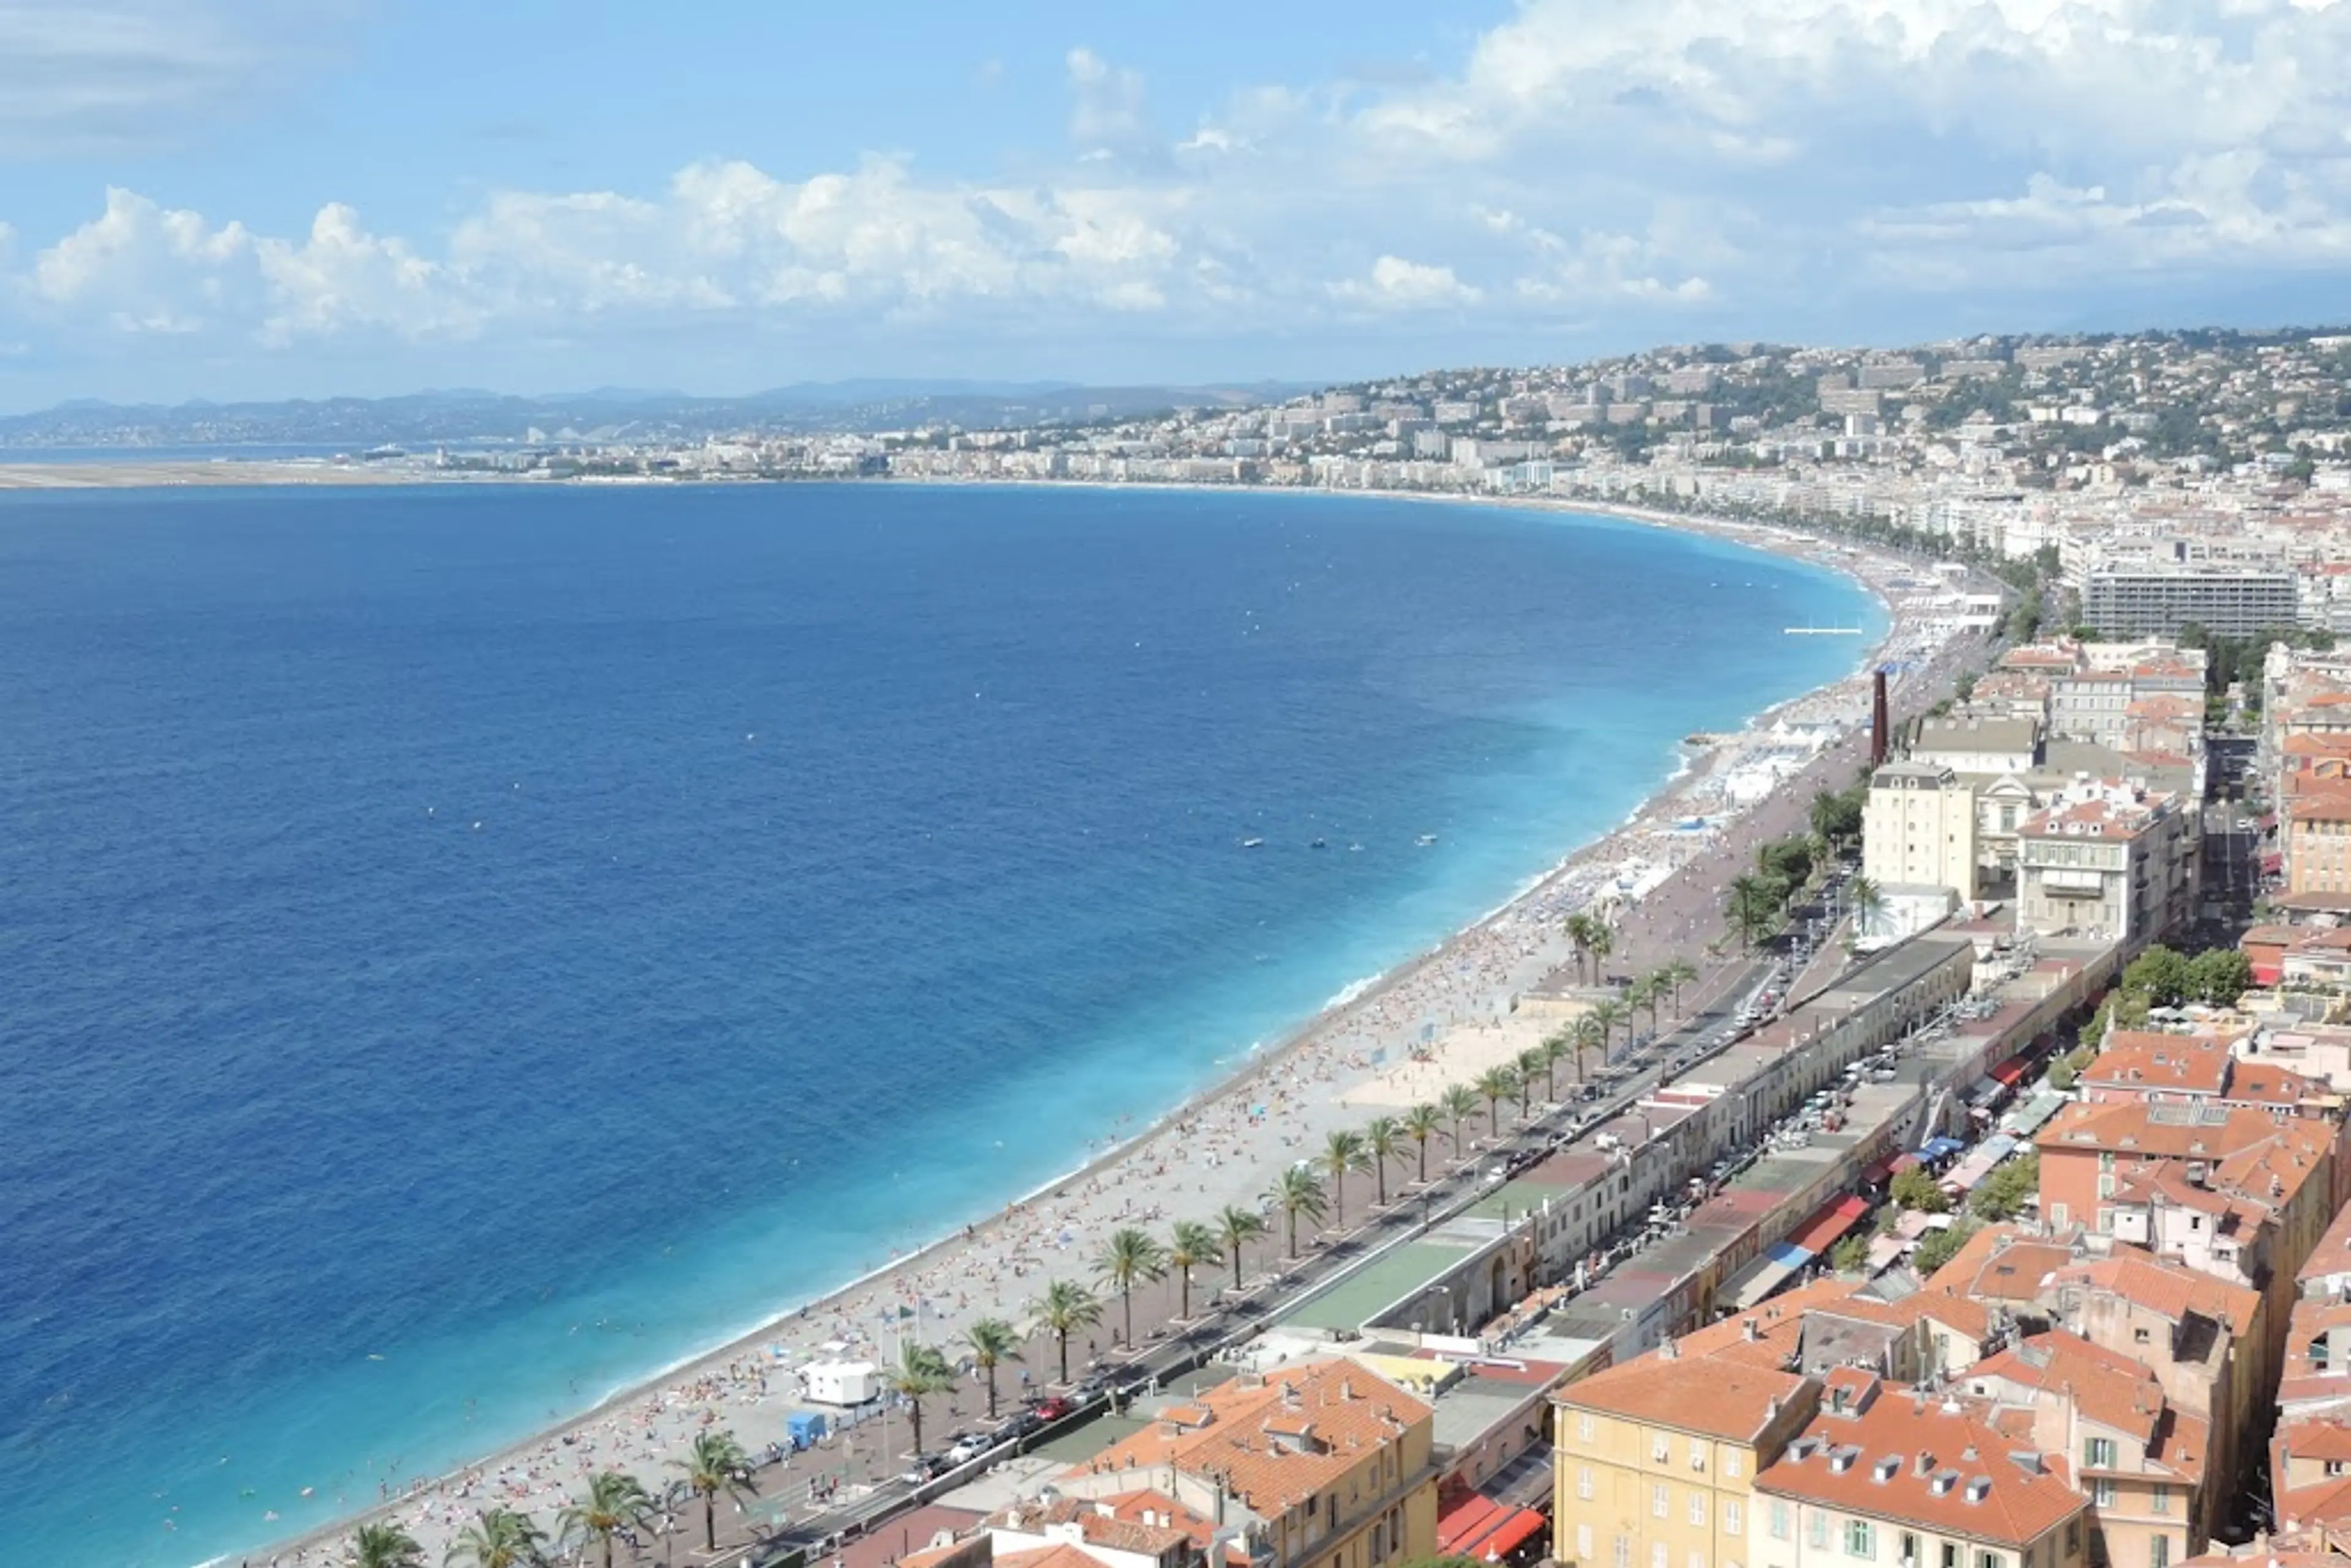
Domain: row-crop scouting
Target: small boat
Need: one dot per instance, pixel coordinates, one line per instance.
(1355, 849)
(1319, 844)
(1252, 843)
(1426, 840)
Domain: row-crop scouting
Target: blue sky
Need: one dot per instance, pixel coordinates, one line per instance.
(242, 198)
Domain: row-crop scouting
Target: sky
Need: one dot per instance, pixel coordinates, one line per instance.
(238, 199)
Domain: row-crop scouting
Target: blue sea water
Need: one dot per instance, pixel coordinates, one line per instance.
(526, 935)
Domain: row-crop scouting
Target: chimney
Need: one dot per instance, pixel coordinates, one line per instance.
(1667, 1350)
(1923, 1463)
(1878, 734)
(1747, 1330)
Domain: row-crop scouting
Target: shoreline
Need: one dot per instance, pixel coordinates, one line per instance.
(666, 1395)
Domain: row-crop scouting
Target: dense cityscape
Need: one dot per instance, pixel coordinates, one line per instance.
(1979, 1192)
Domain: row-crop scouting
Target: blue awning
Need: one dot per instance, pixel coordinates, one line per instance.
(1936, 1148)
(1789, 1253)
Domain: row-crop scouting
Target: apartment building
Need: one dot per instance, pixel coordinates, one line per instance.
(1321, 1465)
(2127, 599)
(2142, 1461)
(1885, 1474)
(2109, 858)
(1655, 1461)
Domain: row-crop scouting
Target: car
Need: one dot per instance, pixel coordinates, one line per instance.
(1054, 1408)
(968, 1450)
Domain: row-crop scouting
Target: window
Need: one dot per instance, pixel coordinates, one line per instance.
(1583, 1543)
(1778, 1524)
(1860, 1539)
(1731, 1463)
(2159, 1501)
(1583, 1483)
(1660, 1447)
(2098, 1453)
(1950, 1555)
(1583, 1425)
(2139, 1336)
(1696, 1453)
(2158, 1552)
(1991, 1559)
(1697, 1560)
(2102, 1490)
(1657, 1555)
(1620, 1553)
(2074, 1536)
(1729, 1517)
(1697, 1506)
(1817, 1527)
(1910, 1550)
(1657, 1499)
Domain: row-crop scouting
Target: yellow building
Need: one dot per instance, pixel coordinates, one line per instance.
(1321, 1464)
(1655, 1460)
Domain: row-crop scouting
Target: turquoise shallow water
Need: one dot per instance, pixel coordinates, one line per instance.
(528, 936)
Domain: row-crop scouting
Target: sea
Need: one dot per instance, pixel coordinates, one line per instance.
(465, 949)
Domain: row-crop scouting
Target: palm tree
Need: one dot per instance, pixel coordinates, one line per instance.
(499, 1538)
(1602, 943)
(1195, 1244)
(614, 1503)
(1296, 1191)
(1236, 1227)
(1867, 903)
(1458, 1102)
(921, 1370)
(1523, 1068)
(1344, 1151)
(1586, 1036)
(1131, 1257)
(1679, 972)
(1656, 985)
(1421, 1123)
(1607, 1013)
(1384, 1139)
(1579, 927)
(1750, 906)
(1552, 1047)
(1064, 1308)
(993, 1343)
(717, 1464)
(385, 1546)
(1496, 1084)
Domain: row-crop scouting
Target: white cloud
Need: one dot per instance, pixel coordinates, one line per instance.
(78, 76)
(1395, 283)
(1645, 163)
(1107, 102)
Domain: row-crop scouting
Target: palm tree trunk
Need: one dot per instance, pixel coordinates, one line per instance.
(1424, 1160)
(1126, 1300)
(1064, 1337)
(1237, 1265)
(1493, 1118)
(608, 1548)
(710, 1521)
(1338, 1200)
(1380, 1179)
(991, 1391)
(1184, 1293)
(915, 1415)
(1292, 1217)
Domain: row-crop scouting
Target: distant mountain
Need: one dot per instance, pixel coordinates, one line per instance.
(605, 413)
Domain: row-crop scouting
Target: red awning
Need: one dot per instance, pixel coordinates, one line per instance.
(1821, 1231)
(1520, 1526)
(1879, 1171)
(1905, 1163)
(2272, 863)
(1466, 1523)
(2011, 1072)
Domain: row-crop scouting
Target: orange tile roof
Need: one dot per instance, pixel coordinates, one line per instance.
(2000, 1263)
(2142, 1060)
(1717, 1397)
(1338, 1412)
(1985, 1495)
(2167, 1287)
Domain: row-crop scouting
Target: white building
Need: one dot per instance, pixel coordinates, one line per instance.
(1919, 828)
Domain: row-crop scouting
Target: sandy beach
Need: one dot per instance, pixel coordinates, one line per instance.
(1440, 1017)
